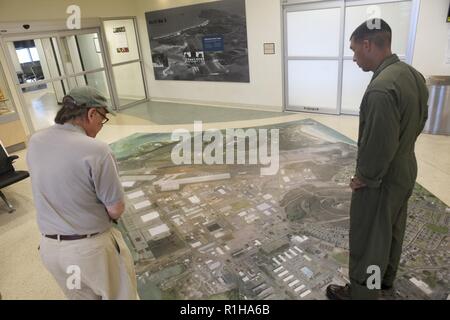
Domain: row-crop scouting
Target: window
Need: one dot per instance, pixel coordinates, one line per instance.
(23, 55)
(34, 54)
(27, 55)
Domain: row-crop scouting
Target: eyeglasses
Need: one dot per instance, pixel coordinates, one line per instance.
(105, 119)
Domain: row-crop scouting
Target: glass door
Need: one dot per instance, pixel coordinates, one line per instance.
(398, 16)
(48, 66)
(7, 107)
(313, 40)
(39, 77)
(126, 62)
(320, 75)
(84, 61)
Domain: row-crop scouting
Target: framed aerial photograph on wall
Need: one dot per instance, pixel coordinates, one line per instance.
(203, 42)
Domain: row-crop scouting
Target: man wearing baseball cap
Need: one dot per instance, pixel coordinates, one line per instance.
(78, 194)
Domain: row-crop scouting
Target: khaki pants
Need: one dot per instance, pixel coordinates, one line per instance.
(99, 267)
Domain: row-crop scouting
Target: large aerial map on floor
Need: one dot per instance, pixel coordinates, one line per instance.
(227, 232)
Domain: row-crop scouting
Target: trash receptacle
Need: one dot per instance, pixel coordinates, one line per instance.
(438, 105)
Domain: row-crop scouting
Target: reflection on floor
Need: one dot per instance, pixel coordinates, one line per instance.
(163, 113)
(43, 108)
(22, 274)
(124, 102)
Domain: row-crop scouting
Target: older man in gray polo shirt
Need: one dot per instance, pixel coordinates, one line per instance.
(78, 194)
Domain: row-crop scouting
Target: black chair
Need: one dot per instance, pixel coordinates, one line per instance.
(8, 175)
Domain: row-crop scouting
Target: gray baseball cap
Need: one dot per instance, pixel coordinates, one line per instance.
(90, 97)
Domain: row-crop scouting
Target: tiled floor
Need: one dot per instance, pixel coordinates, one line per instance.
(22, 274)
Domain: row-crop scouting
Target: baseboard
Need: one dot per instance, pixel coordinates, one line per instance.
(220, 104)
(134, 98)
(16, 147)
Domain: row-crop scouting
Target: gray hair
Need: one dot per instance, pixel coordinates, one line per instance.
(70, 110)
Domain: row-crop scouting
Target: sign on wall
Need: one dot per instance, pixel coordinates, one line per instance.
(120, 40)
(203, 42)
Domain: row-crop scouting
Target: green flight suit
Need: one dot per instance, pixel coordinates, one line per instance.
(393, 113)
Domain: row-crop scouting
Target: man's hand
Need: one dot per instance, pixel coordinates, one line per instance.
(116, 210)
(356, 184)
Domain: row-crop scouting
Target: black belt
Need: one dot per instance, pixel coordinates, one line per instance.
(69, 237)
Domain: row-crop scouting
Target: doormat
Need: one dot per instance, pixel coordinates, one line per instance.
(225, 231)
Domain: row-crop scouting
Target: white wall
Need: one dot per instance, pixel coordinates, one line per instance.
(432, 38)
(263, 25)
(265, 88)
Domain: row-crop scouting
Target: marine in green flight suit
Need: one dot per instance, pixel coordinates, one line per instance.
(393, 113)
